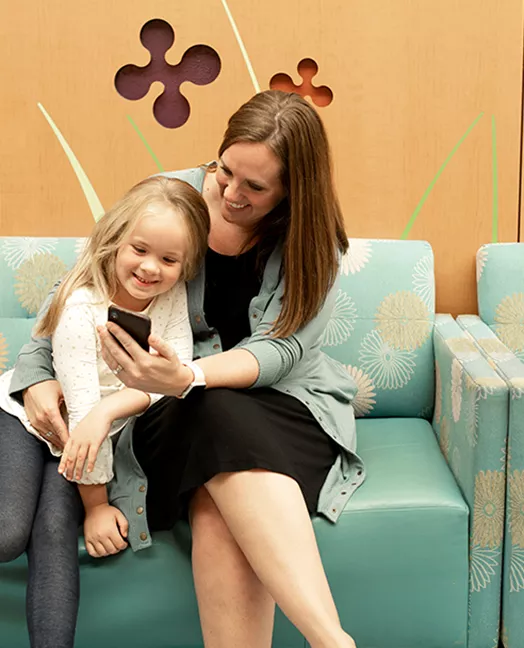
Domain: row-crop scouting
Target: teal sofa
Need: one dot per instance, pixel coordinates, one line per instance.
(499, 331)
(415, 560)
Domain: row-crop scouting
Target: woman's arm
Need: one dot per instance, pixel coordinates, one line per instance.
(34, 386)
(34, 363)
(277, 357)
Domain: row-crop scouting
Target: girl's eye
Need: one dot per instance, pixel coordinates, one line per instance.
(169, 261)
(138, 249)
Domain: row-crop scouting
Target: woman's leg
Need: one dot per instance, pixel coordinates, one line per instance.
(21, 467)
(236, 610)
(267, 516)
(53, 585)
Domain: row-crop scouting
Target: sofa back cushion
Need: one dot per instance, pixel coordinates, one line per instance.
(500, 292)
(29, 267)
(382, 325)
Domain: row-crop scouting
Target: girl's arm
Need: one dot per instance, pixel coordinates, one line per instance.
(89, 440)
(76, 365)
(105, 526)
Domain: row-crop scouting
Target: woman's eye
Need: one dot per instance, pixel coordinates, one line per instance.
(255, 187)
(225, 170)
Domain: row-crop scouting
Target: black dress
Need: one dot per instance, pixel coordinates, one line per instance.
(182, 444)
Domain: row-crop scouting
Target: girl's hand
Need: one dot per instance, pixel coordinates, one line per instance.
(157, 373)
(83, 444)
(42, 403)
(105, 528)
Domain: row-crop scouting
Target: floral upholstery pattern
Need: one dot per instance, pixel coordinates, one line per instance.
(408, 362)
(499, 333)
(29, 268)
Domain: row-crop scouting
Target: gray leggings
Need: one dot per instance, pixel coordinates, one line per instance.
(39, 513)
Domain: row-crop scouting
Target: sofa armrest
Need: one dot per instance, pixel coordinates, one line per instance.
(471, 422)
(511, 368)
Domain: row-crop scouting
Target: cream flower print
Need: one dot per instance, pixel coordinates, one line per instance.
(35, 278)
(80, 244)
(456, 389)
(488, 510)
(509, 316)
(464, 348)
(444, 436)
(516, 507)
(516, 569)
(388, 368)
(403, 320)
(494, 348)
(342, 321)
(438, 393)
(365, 397)
(424, 281)
(482, 257)
(356, 257)
(19, 249)
(471, 413)
(483, 566)
(3, 353)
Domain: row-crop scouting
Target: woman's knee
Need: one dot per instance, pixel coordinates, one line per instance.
(14, 536)
(207, 523)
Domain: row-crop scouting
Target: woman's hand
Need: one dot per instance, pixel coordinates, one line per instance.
(42, 403)
(105, 528)
(84, 443)
(157, 373)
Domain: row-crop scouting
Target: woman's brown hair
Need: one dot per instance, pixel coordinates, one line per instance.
(309, 219)
(95, 267)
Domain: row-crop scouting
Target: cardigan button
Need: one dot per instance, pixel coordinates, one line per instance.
(216, 346)
(143, 535)
(142, 488)
(140, 510)
(198, 319)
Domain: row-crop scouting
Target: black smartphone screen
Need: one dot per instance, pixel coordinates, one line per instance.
(136, 325)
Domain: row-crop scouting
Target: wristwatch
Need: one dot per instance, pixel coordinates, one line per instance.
(199, 379)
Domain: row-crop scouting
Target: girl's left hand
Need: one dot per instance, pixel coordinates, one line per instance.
(160, 373)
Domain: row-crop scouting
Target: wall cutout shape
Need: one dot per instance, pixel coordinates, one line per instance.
(200, 64)
(307, 69)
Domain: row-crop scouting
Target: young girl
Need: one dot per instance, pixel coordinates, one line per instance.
(138, 257)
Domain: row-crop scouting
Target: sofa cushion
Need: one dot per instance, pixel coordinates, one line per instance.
(397, 560)
(381, 326)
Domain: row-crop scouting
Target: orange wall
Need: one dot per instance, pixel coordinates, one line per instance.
(409, 79)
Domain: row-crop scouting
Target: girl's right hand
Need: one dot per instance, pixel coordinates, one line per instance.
(42, 403)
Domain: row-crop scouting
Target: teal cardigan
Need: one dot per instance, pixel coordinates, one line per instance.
(294, 365)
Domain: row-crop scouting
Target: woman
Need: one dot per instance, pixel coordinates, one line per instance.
(271, 439)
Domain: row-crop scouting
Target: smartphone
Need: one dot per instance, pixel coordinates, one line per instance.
(137, 325)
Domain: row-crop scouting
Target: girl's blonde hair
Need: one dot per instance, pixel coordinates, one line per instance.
(96, 265)
(309, 220)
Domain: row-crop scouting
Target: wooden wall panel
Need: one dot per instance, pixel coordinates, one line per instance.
(409, 79)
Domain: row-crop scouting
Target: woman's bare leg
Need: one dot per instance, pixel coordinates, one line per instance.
(267, 516)
(236, 610)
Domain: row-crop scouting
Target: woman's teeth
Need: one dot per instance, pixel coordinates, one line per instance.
(236, 205)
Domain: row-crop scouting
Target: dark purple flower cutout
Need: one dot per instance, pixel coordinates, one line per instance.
(200, 64)
(307, 68)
